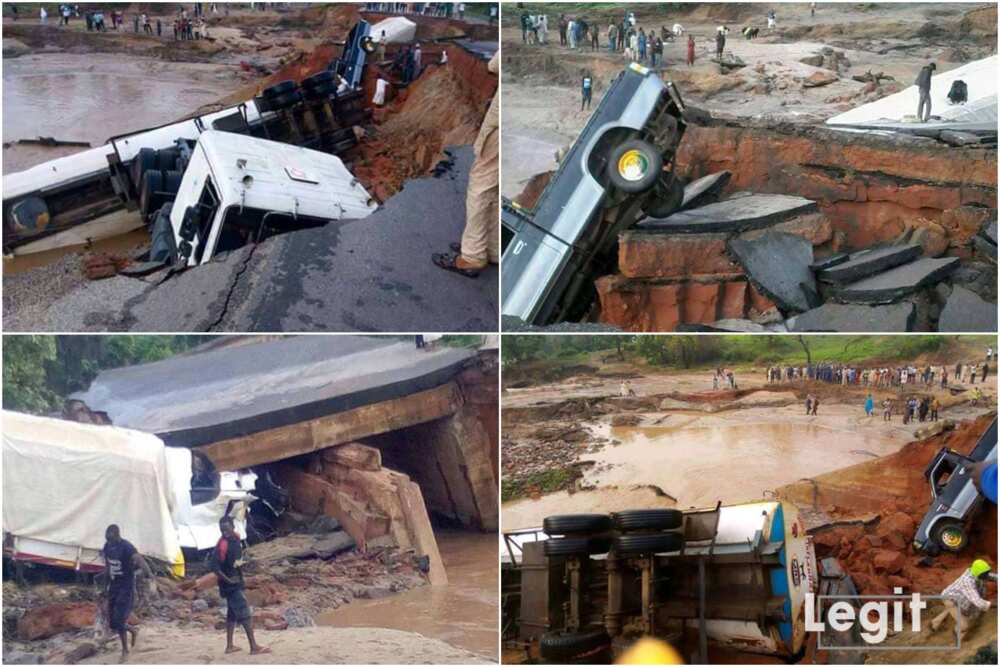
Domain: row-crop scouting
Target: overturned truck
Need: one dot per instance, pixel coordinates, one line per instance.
(732, 578)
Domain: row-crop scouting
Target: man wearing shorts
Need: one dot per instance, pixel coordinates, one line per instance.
(121, 560)
(226, 563)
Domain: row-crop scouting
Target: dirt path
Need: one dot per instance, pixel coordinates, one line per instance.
(160, 644)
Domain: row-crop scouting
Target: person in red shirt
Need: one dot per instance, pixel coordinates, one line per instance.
(227, 560)
(690, 55)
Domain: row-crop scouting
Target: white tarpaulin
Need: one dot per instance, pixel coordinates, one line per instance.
(980, 76)
(398, 30)
(64, 483)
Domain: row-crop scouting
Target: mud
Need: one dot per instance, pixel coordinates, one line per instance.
(463, 613)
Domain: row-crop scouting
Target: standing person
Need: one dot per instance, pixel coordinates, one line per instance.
(720, 44)
(935, 406)
(986, 369)
(227, 561)
(595, 37)
(812, 10)
(43, 15)
(809, 404)
(480, 245)
(634, 45)
(461, 11)
(690, 51)
(772, 20)
(543, 28)
(622, 35)
(159, 28)
(586, 90)
(571, 32)
(642, 45)
(923, 83)
(563, 26)
(147, 27)
(493, 13)
(612, 36)
(887, 410)
(815, 405)
(417, 57)
(121, 561)
(658, 51)
(135, 23)
(13, 10)
(989, 353)
(869, 405)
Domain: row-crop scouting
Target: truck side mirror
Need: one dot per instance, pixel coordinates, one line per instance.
(189, 224)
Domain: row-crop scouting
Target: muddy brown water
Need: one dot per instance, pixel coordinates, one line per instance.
(463, 613)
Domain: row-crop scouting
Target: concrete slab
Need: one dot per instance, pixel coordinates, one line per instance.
(699, 190)
(868, 262)
(736, 214)
(990, 231)
(243, 388)
(985, 249)
(778, 265)
(965, 311)
(855, 318)
(832, 260)
(896, 283)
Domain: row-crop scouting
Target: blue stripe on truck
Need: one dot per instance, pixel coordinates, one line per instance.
(779, 575)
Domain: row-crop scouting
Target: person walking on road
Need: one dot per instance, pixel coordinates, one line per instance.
(121, 562)
(227, 561)
(586, 91)
(924, 87)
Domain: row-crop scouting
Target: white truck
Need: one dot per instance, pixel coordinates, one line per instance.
(65, 482)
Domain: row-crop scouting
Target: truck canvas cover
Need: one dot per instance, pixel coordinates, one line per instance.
(397, 29)
(231, 391)
(65, 482)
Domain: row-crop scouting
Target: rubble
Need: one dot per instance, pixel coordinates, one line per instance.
(779, 265)
(896, 283)
(964, 311)
(833, 316)
(740, 212)
(858, 265)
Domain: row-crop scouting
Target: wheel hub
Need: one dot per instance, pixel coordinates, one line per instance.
(633, 165)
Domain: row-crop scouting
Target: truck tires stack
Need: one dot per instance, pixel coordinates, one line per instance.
(320, 86)
(564, 647)
(158, 188)
(280, 96)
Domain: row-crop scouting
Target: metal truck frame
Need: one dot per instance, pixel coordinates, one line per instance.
(619, 169)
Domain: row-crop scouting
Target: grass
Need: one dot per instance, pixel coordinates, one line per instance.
(547, 481)
(851, 349)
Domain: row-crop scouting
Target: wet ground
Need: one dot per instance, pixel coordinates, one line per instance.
(90, 99)
(464, 613)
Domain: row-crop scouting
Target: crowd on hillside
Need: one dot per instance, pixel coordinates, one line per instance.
(883, 376)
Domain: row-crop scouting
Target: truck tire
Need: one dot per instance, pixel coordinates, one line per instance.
(648, 543)
(564, 646)
(950, 535)
(158, 188)
(166, 159)
(666, 200)
(368, 44)
(320, 91)
(263, 104)
(279, 89)
(659, 519)
(319, 80)
(576, 546)
(573, 524)
(141, 163)
(634, 166)
(285, 101)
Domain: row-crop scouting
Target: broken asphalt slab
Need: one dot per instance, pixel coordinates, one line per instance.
(264, 385)
(965, 311)
(697, 192)
(373, 274)
(896, 283)
(778, 265)
(869, 262)
(741, 212)
(854, 318)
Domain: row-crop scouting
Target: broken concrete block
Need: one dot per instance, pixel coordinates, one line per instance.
(854, 318)
(985, 249)
(896, 283)
(354, 455)
(644, 255)
(965, 311)
(741, 212)
(698, 191)
(990, 231)
(869, 262)
(778, 264)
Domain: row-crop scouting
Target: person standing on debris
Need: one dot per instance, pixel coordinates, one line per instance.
(480, 246)
(690, 51)
(924, 87)
(720, 44)
(586, 89)
(965, 596)
(121, 561)
(227, 560)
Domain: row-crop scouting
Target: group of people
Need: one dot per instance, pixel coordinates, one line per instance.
(922, 408)
(723, 376)
(441, 9)
(882, 377)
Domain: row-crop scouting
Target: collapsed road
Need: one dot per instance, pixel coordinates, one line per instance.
(364, 282)
(369, 467)
(736, 252)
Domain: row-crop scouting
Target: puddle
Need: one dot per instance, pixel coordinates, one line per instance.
(464, 613)
(701, 460)
(117, 245)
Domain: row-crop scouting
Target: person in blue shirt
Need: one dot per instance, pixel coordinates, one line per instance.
(586, 90)
(869, 405)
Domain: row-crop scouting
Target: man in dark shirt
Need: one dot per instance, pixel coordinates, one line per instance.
(121, 560)
(586, 89)
(924, 87)
(226, 563)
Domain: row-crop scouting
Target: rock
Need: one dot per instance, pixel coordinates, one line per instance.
(813, 60)
(74, 655)
(814, 227)
(298, 618)
(818, 79)
(868, 262)
(625, 420)
(932, 237)
(778, 264)
(21, 657)
(46, 621)
(854, 318)
(965, 311)
(888, 561)
(898, 522)
(936, 428)
(896, 283)
(324, 524)
(13, 48)
(199, 605)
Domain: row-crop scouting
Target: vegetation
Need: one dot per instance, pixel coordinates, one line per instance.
(681, 351)
(546, 481)
(39, 372)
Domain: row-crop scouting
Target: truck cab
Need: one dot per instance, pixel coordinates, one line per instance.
(619, 169)
(238, 189)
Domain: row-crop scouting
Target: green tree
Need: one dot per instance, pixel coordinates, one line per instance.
(25, 382)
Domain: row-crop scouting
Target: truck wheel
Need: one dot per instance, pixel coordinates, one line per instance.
(263, 104)
(166, 159)
(667, 199)
(158, 188)
(141, 163)
(576, 546)
(285, 101)
(319, 79)
(571, 524)
(368, 44)
(279, 89)
(665, 519)
(564, 646)
(634, 166)
(950, 535)
(320, 91)
(644, 543)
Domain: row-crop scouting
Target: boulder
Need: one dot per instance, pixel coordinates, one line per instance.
(818, 79)
(888, 561)
(50, 620)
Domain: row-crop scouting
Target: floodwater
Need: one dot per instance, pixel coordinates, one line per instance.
(92, 97)
(464, 613)
(700, 460)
